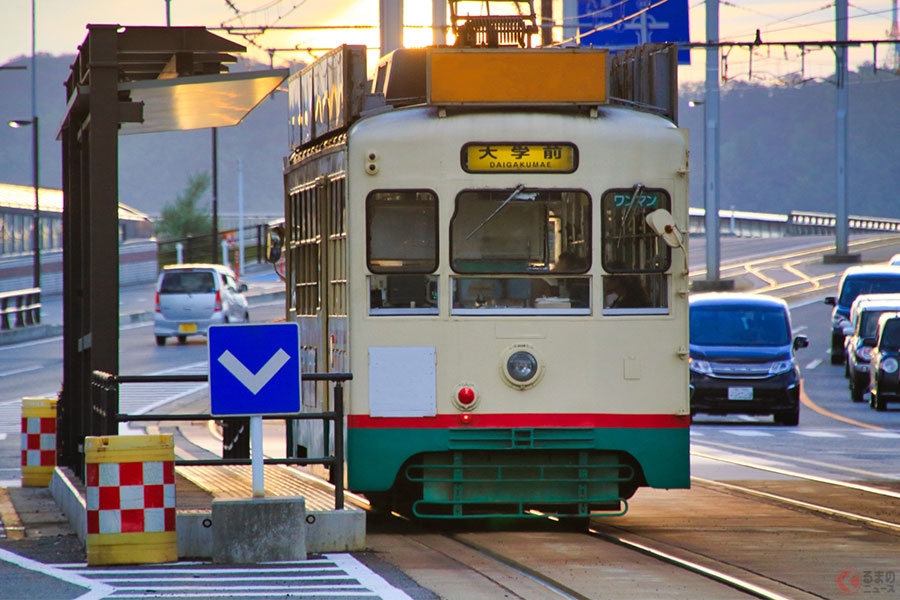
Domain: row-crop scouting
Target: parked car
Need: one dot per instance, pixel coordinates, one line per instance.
(860, 338)
(856, 280)
(884, 379)
(191, 297)
(742, 356)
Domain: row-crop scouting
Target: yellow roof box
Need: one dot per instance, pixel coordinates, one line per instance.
(517, 76)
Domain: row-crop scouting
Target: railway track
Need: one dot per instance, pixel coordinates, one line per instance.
(799, 537)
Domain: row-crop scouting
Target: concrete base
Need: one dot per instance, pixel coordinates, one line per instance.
(259, 530)
(840, 259)
(712, 285)
(325, 530)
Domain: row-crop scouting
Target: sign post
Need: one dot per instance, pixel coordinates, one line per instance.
(254, 371)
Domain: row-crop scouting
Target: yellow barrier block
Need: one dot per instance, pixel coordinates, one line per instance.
(130, 499)
(38, 441)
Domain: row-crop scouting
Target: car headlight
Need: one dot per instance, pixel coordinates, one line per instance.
(864, 353)
(781, 366)
(889, 365)
(700, 366)
(839, 322)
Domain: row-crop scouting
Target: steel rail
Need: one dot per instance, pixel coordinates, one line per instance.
(809, 506)
(695, 567)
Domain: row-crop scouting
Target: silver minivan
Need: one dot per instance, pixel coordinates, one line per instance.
(191, 297)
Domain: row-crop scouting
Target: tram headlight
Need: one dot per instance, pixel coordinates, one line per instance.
(521, 366)
(889, 365)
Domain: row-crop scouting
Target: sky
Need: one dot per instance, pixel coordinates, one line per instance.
(61, 27)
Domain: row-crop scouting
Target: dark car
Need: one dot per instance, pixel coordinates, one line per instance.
(860, 279)
(742, 356)
(884, 379)
(864, 314)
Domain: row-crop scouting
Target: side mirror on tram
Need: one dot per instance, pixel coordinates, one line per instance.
(663, 224)
(274, 241)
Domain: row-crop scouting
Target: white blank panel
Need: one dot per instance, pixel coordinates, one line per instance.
(402, 381)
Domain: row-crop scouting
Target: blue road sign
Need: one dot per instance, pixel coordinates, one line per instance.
(254, 369)
(623, 24)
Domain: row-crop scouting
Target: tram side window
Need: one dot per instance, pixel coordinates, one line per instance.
(634, 257)
(521, 250)
(402, 251)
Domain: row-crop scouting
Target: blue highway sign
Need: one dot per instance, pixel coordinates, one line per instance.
(254, 369)
(624, 24)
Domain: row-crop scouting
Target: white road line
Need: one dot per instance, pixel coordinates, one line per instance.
(750, 433)
(813, 364)
(96, 590)
(881, 434)
(818, 434)
(20, 371)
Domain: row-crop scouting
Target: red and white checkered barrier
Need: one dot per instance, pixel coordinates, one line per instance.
(130, 503)
(38, 441)
(134, 497)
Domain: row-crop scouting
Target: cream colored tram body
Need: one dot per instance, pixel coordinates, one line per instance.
(492, 247)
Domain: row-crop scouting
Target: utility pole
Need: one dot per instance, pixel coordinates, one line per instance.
(841, 222)
(711, 155)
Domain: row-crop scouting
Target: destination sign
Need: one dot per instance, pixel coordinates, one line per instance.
(519, 157)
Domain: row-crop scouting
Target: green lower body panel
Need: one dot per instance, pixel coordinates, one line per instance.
(463, 473)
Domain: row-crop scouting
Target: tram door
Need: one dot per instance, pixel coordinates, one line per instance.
(315, 223)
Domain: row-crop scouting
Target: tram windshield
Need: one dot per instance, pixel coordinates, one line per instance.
(521, 231)
(521, 249)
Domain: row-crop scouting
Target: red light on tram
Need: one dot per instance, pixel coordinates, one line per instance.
(466, 396)
(465, 418)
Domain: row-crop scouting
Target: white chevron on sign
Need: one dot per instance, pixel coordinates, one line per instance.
(254, 381)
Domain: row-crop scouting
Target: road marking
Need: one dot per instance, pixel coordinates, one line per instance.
(818, 434)
(813, 364)
(750, 433)
(254, 381)
(827, 413)
(18, 371)
(881, 434)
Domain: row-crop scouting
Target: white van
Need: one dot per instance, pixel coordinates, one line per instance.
(191, 297)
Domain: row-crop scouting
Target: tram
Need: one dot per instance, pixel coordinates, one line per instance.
(492, 245)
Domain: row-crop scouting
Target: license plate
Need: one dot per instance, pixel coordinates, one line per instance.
(187, 328)
(740, 393)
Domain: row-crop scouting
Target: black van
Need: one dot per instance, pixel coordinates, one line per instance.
(742, 356)
(856, 280)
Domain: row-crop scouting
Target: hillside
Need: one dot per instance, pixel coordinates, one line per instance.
(777, 147)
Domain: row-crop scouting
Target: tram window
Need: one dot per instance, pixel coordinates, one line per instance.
(519, 230)
(521, 251)
(634, 256)
(629, 244)
(403, 294)
(401, 230)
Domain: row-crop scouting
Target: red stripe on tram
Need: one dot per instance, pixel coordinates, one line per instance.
(594, 421)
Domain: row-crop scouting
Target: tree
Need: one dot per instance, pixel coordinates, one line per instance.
(185, 218)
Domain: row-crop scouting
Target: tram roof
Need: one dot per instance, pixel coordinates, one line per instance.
(21, 197)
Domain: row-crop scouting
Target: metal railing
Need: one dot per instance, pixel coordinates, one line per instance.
(795, 223)
(20, 308)
(105, 394)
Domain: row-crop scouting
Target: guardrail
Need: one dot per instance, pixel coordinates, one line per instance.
(105, 394)
(753, 224)
(20, 308)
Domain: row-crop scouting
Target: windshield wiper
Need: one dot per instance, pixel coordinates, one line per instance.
(504, 203)
(638, 187)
